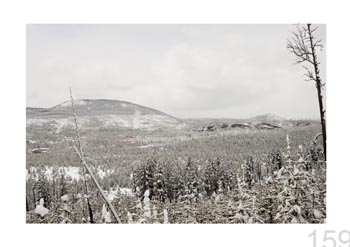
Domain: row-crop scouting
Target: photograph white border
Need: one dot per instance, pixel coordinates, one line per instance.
(14, 17)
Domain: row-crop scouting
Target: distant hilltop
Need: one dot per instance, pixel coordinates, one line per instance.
(267, 121)
(269, 117)
(97, 113)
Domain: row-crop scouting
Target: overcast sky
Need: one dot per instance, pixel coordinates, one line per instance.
(216, 71)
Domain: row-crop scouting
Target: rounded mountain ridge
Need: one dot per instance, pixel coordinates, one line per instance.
(101, 113)
(102, 106)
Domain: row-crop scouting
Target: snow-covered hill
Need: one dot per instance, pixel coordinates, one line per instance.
(101, 113)
(269, 117)
(273, 119)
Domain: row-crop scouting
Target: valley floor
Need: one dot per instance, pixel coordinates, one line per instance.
(178, 176)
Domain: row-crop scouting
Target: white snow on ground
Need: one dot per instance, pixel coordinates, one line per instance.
(63, 122)
(181, 126)
(136, 120)
(73, 172)
(76, 102)
(112, 194)
(151, 145)
(37, 121)
(116, 120)
(58, 123)
(126, 191)
(48, 172)
(64, 198)
(66, 103)
(80, 102)
(40, 209)
(103, 173)
(70, 172)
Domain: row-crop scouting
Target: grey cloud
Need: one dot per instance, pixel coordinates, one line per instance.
(184, 70)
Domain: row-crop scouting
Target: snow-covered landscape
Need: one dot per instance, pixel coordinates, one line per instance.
(167, 174)
(178, 124)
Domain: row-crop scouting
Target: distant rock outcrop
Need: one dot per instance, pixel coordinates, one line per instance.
(261, 122)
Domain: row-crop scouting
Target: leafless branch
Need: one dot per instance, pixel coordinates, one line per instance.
(298, 45)
(79, 152)
(316, 137)
(309, 74)
(303, 44)
(98, 185)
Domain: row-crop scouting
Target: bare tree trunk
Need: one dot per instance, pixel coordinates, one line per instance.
(91, 215)
(80, 153)
(105, 198)
(304, 45)
(319, 91)
(27, 205)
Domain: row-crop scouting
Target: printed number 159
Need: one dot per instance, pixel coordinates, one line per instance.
(331, 238)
